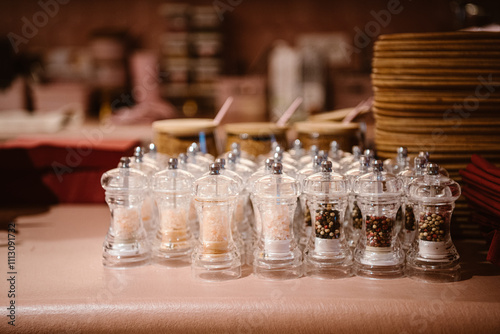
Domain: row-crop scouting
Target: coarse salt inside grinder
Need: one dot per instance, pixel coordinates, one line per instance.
(277, 255)
(172, 190)
(126, 243)
(216, 257)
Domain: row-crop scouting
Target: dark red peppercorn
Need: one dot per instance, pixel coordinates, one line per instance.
(379, 231)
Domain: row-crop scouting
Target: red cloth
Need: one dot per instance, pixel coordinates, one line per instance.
(470, 177)
(54, 170)
(494, 251)
(483, 194)
(489, 219)
(485, 201)
(485, 219)
(483, 189)
(71, 152)
(485, 165)
(478, 171)
(77, 187)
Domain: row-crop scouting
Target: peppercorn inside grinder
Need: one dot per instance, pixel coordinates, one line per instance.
(126, 243)
(305, 226)
(409, 226)
(277, 256)
(353, 217)
(215, 256)
(172, 191)
(378, 253)
(327, 253)
(432, 256)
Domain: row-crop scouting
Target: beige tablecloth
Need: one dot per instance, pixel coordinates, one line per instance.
(61, 286)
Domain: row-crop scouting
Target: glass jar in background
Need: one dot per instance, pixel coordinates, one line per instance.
(174, 136)
(255, 138)
(322, 134)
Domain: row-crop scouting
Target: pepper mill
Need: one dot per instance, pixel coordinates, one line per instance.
(257, 223)
(172, 191)
(216, 257)
(149, 212)
(354, 219)
(327, 254)
(378, 253)
(126, 243)
(305, 221)
(409, 227)
(277, 256)
(433, 256)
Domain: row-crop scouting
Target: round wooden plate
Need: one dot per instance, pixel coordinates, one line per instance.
(457, 154)
(490, 91)
(435, 138)
(446, 160)
(430, 114)
(468, 99)
(441, 36)
(422, 84)
(442, 130)
(479, 45)
(453, 160)
(458, 158)
(467, 106)
(485, 123)
(433, 63)
(438, 92)
(451, 79)
(415, 99)
(459, 54)
(448, 127)
(445, 72)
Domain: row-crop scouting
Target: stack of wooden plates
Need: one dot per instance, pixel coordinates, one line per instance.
(438, 92)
